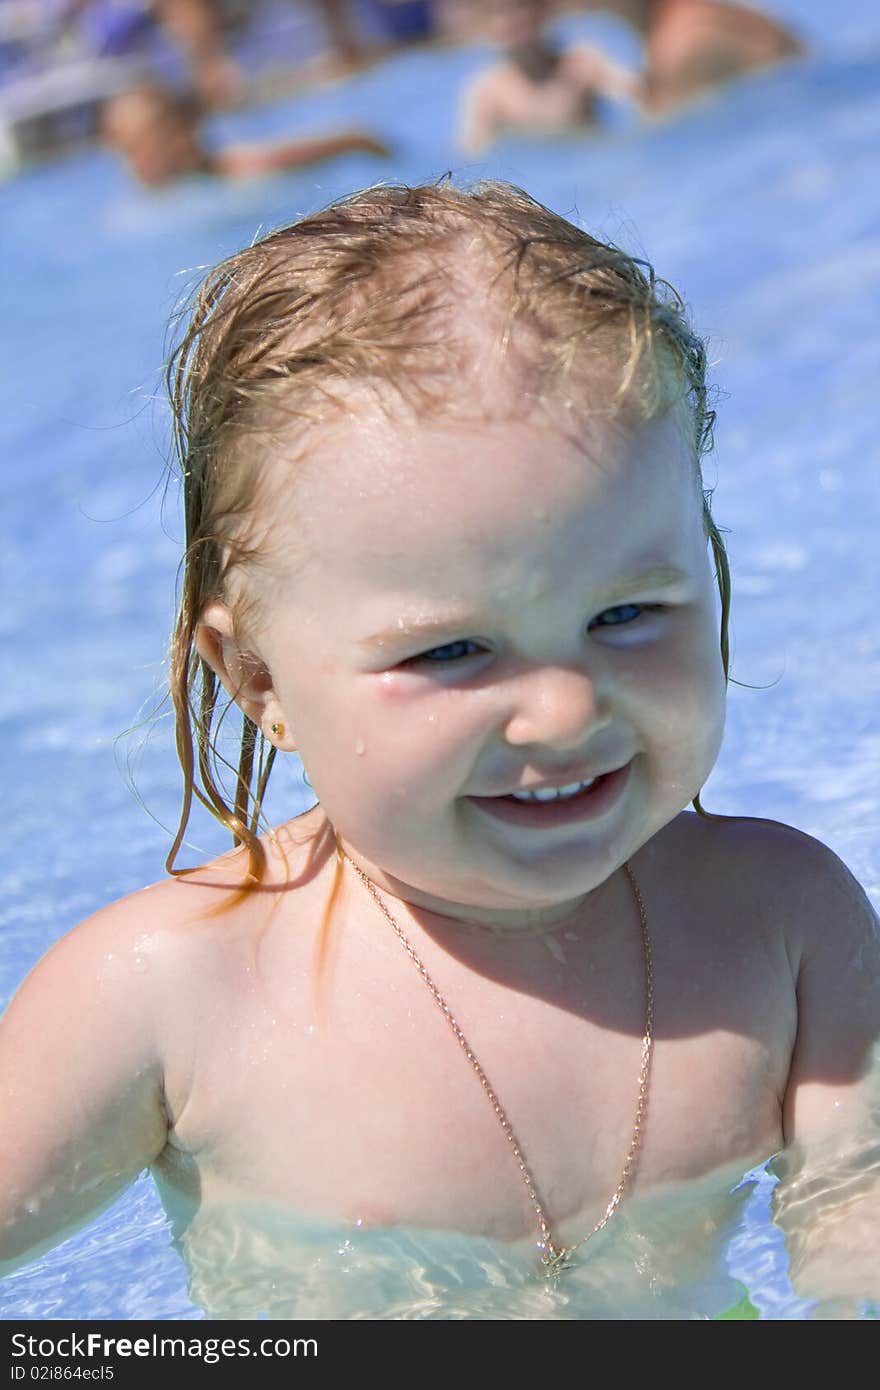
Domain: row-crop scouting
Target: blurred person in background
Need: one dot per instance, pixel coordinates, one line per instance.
(199, 30)
(692, 46)
(195, 27)
(347, 46)
(537, 87)
(157, 132)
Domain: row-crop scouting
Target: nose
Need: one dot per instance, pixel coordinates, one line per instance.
(557, 707)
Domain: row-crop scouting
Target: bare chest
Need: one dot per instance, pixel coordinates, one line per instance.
(364, 1105)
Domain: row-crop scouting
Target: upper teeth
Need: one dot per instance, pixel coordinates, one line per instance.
(554, 793)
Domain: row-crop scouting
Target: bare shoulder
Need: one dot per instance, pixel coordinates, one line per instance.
(125, 939)
(157, 946)
(782, 873)
(99, 1046)
(812, 891)
(832, 939)
(798, 894)
(212, 915)
(110, 983)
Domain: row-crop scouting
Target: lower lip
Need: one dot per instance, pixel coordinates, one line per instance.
(588, 805)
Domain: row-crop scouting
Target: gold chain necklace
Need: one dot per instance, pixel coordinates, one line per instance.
(554, 1256)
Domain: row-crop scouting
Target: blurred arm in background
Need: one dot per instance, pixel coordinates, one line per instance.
(156, 131)
(692, 46)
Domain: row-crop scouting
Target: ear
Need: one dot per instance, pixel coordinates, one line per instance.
(243, 673)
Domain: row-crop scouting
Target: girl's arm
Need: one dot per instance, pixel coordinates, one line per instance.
(828, 1201)
(81, 1094)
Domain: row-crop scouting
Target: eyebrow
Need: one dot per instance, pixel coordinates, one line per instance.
(660, 577)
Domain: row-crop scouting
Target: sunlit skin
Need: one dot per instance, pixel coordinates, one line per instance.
(548, 659)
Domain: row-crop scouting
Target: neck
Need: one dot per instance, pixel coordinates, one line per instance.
(454, 920)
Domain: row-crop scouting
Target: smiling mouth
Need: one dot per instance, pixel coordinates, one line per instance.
(550, 806)
(555, 793)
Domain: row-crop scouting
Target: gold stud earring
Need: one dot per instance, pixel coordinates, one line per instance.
(278, 730)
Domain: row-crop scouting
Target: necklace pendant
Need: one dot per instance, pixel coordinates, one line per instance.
(556, 1260)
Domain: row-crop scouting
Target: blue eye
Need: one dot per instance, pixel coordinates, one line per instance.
(450, 651)
(622, 613)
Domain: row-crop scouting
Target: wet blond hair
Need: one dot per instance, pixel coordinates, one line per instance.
(372, 292)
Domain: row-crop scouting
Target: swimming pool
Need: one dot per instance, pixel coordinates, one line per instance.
(759, 203)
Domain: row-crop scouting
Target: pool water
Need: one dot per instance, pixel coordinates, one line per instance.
(760, 203)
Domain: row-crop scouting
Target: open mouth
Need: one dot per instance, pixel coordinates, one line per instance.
(589, 803)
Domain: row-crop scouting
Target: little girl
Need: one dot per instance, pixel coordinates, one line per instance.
(446, 538)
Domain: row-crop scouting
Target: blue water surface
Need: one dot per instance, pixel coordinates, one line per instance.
(760, 204)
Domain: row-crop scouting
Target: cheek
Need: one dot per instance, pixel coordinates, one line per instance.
(417, 724)
(407, 704)
(682, 689)
(696, 699)
(381, 731)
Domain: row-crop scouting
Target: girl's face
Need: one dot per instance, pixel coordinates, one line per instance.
(482, 609)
